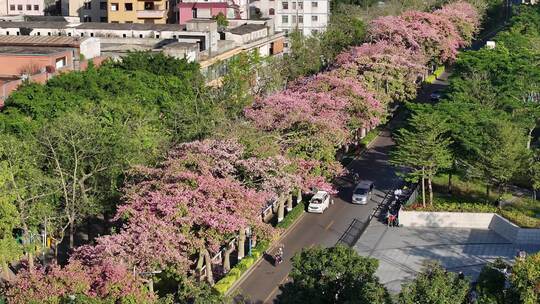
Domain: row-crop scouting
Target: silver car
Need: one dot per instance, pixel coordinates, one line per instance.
(362, 193)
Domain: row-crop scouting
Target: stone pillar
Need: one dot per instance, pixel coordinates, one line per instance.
(241, 243)
(289, 202)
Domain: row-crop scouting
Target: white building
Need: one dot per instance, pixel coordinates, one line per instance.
(307, 16)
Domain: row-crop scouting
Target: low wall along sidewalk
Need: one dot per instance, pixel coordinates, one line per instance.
(491, 221)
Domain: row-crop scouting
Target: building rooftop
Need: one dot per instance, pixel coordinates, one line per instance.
(203, 4)
(20, 50)
(181, 45)
(247, 28)
(34, 24)
(48, 41)
(93, 25)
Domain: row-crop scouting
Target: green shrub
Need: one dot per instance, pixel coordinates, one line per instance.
(431, 78)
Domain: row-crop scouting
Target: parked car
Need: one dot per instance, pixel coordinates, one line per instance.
(362, 192)
(319, 202)
(436, 96)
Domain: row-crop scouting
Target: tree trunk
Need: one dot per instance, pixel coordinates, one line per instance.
(450, 182)
(289, 202)
(529, 139)
(299, 196)
(30, 257)
(71, 235)
(241, 243)
(363, 132)
(423, 189)
(208, 263)
(430, 190)
(227, 259)
(6, 274)
(534, 194)
(281, 210)
(200, 263)
(487, 191)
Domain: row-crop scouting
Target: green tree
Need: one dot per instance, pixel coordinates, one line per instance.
(221, 19)
(525, 280)
(344, 30)
(305, 56)
(424, 147)
(534, 171)
(492, 282)
(435, 285)
(500, 156)
(333, 275)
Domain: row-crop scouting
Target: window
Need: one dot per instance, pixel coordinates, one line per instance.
(7, 33)
(36, 7)
(38, 33)
(129, 21)
(300, 5)
(157, 36)
(49, 34)
(124, 35)
(102, 19)
(18, 33)
(173, 36)
(193, 13)
(128, 6)
(285, 5)
(87, 18)
(103, 5)
(87, 5)
(294, 19)
(314, 18)
(28, 7)
(271, 12)
(69, 34)
(140, 36)
(91, 34)
(19, 7)
(115, 22)
(12, 7)
(285, 19)
(82, 34)
(60, 62)
(300, 19)
(114, 7)
(314, 4)
(294, 5)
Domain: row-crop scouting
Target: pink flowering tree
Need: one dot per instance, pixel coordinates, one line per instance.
(432, 34)
(107, 282)
(310, 124)
(391, 71)
(364, 110)
(465, 18)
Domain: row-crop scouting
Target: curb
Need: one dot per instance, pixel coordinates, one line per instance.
(243, 277)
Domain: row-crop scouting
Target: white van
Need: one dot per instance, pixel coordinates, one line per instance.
(319, 202)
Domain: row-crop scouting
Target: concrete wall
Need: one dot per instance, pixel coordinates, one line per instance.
(445, 219)
(490, 221)
(13, 64)
(90, 48)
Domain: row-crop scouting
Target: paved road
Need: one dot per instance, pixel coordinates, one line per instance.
(262, 285)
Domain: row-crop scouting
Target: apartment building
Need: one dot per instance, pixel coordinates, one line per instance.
(21, 7)
(193, 9)
(307, 16)
(86, 10)
(138, 11)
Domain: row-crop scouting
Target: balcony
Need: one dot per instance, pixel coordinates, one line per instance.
(151, 14)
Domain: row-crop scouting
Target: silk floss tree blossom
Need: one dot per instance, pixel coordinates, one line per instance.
(391, 71)
(465, 18)
(107, 282)
(364, 110)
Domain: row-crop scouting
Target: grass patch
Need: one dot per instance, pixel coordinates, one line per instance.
(470, 196)
(438, 72)
(370, 136)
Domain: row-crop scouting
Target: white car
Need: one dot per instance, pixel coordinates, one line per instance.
(319, 202)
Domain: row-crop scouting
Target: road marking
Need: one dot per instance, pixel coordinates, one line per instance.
(330, 224)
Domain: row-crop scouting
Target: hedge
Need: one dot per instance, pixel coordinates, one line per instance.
(292, 216)
(438, 72)
(236, 272)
